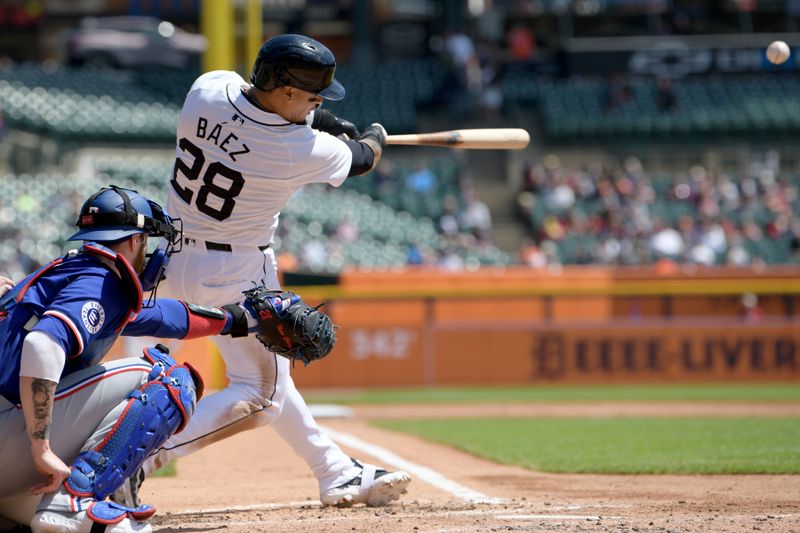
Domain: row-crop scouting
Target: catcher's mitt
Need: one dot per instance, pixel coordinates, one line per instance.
(288, 326)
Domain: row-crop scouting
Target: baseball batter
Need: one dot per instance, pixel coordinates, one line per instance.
(59, 406)
(242, 151)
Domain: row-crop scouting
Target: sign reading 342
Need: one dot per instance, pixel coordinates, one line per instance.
(384, 343)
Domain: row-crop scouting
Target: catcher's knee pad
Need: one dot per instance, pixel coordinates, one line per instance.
(162, 362)
(154, 412)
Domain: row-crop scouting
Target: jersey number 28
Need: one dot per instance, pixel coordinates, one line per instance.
(235, 182)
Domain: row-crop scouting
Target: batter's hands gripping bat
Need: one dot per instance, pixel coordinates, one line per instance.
(477, 139)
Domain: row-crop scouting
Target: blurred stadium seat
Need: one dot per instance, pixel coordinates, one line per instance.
(40, 217)
(573, 109)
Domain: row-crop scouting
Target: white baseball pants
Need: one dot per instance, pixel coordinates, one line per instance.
(261, 390)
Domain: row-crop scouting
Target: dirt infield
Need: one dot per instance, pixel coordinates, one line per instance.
(254, 482)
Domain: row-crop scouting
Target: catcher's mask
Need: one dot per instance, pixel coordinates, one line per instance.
(298, 61)
(113, 214)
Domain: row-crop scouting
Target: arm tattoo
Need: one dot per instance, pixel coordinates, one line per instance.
(43, 391)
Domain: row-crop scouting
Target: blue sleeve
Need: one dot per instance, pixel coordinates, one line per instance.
(88, 307)
(167, 319)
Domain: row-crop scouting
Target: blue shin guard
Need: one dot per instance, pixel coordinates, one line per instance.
(154, 412)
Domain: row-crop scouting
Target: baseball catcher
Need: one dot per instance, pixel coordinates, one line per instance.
(288, 326)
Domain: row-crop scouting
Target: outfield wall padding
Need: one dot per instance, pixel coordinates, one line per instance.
(572, 325)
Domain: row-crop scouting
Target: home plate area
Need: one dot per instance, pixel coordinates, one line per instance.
(254, 482)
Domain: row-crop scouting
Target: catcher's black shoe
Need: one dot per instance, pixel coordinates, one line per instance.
(128, 493)
(373, 486)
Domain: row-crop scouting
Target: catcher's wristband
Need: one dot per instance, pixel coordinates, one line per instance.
(239, 327)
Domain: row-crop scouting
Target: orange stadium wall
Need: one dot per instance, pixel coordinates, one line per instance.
(517, 326)
(580, 325)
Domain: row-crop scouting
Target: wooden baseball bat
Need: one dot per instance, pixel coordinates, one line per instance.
(477, 139)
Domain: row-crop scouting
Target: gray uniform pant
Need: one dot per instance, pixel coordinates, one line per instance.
(87, 405)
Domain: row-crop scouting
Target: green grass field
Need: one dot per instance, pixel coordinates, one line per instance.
(774, 392)
(168, 470)
(608, 445)
(623, 445)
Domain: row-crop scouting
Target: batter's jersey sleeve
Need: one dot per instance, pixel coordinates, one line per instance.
(237, 165)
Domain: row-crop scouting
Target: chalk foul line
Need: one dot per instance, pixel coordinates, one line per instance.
(423, 473)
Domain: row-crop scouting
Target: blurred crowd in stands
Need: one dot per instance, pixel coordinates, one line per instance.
(473, 85)
(20, 13)
(33, 223)
(608, 214)
(441, 222)
(462, 222)
(622, 215)
(617, 92)
(465, 222)
(614, 214)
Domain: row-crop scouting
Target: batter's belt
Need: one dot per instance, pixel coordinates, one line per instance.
(217, 246)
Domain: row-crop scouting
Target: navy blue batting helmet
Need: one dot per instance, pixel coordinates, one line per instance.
(114, 213)
(298, 61)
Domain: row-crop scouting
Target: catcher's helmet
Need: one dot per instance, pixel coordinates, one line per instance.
(298, 61)
(113, 213)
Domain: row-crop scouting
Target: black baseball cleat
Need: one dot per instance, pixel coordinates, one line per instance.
(373, 486)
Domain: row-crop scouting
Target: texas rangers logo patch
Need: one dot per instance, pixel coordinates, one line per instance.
(93, 315)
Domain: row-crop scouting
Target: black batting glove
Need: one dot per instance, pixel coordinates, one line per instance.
(375, 131)
(326, 121)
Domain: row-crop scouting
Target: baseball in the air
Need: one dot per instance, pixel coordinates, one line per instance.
(778, 52)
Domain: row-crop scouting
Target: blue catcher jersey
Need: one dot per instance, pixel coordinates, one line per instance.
(84, 306)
